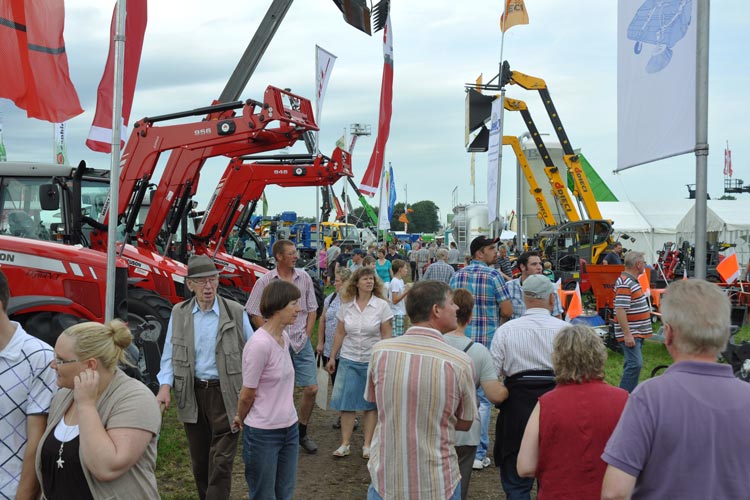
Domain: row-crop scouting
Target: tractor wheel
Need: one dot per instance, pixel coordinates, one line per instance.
(233, 293)
(148, 315)
(47, 326)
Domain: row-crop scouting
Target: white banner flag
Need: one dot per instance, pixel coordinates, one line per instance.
(385, 186)
(493, 157)
(656, 80)
(324, 61)
(60, 151)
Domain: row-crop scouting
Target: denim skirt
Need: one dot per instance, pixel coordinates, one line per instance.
(349, 389)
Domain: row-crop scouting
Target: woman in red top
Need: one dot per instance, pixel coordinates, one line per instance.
(570, 425)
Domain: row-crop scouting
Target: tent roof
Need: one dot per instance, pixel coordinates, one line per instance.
(646, 216)
(732, 215)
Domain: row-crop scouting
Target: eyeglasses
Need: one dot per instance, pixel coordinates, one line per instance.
(58, 361)
(205, 281)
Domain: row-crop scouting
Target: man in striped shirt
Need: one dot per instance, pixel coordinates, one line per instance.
(424, 390)
(633, 318)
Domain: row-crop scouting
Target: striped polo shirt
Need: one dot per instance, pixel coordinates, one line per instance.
(630, 296)
(421, 386)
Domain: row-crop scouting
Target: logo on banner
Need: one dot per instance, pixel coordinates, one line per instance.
(661, 24)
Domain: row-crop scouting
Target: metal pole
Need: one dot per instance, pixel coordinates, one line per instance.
(114, 167)
(519, 202)
(701, 138)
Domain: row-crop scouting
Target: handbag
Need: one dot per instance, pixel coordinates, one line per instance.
(321, 398)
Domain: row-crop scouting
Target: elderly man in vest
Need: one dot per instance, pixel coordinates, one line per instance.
(202, 363)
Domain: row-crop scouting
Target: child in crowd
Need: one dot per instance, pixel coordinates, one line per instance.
(548, 271)
(397, 292)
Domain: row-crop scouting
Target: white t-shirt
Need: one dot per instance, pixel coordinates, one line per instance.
(397, 285)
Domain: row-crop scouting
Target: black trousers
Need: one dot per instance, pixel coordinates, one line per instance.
(212, 445)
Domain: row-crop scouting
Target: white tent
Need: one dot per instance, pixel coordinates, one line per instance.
(727, 221)
(651, 223)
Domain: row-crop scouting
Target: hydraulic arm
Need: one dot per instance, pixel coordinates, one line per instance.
(543, 210)
(573, 162)
(191, 144)
(559, 188)
(245, 179)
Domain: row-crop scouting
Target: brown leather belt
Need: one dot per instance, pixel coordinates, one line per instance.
(205, 384)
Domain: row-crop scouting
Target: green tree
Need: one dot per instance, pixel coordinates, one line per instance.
(727, 197)
(423, 217)
(359, 216)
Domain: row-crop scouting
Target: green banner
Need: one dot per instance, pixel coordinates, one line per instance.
(598, 186)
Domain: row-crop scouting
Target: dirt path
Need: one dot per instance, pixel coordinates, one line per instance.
(323, 477)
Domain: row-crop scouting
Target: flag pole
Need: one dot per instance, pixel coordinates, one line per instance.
(114, 168)
(701, 137)
(496, 226)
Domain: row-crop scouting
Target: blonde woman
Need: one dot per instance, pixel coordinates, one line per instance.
(364, 319)
(100, 440)
(570, 425)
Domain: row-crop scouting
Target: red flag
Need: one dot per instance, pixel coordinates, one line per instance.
(33, 60)
(100, 135)
(371, 179)
(728, 161)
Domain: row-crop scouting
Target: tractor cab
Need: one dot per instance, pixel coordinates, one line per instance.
(569, 245)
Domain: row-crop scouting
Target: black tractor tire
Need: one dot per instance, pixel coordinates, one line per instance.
(148, 315)
(713, 277)
(320, 295)
(47, 325)
(233, 293)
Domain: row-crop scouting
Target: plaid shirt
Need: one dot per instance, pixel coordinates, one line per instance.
(519, 306)
(488, 288)
(439, 271)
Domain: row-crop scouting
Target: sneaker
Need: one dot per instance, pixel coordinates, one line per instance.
(486, 462)
(337, 423)
(356, 423)
(366, 452)
(308, 444)
(342, 451)
(478, 465)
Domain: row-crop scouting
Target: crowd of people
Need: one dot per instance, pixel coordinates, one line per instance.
(424, 358)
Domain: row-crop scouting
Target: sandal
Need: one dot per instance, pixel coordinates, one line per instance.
(366, 452)
(342, 451)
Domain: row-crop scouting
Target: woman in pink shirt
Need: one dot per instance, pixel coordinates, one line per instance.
(266, 405)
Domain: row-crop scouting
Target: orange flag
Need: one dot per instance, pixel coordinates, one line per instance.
(515, 13)
(575, 308)
(729, 268)
(645, 284)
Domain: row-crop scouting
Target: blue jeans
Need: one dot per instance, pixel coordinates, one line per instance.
(484, 419)
(515, 486)
(372, 493)
(631, 369)
(270, 457)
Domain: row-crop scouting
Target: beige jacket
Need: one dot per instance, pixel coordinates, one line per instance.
(229, 344)
(126, 403)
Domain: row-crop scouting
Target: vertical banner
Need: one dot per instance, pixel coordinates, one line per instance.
(34, 60)
(493, 158)
(384, 222)
(3, 154)
(60, 153)
(391, 193)
(727, 161)
(324, 62)
(372, 175)
(100, 134)
(656, 80)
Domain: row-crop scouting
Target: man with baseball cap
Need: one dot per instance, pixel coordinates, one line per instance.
(522, 352)
(202, 362)
(491, 303)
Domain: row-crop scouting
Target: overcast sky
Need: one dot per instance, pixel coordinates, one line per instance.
(192, 47)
